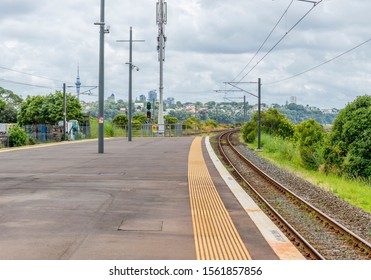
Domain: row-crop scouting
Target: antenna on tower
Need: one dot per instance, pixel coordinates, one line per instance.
(161, 20)
(78, 83)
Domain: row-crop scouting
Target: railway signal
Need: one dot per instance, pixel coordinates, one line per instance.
(148, 114)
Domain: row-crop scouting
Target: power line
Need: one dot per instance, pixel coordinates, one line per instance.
(280, 40)
(266, 39)
(24, 84)
(32, 75)
(319, 65)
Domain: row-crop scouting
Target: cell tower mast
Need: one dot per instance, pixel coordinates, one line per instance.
(161, 18)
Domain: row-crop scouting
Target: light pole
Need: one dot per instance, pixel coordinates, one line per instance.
(131, 66)
(103, 31)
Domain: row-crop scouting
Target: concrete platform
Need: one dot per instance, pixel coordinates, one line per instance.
(66, 201)
(69, 202)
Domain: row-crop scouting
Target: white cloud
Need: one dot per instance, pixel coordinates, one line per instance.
(209, 42)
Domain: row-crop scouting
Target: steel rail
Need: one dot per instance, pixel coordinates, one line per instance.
(357, 241)
(299, 241)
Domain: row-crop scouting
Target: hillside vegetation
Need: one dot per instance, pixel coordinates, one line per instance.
(339, 160)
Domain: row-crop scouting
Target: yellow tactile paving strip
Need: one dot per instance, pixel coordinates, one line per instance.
(216, 237)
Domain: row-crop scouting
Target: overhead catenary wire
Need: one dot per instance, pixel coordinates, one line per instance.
(281, 39)
(319, 65)
(266, 39)
(32, 75)
(25, 84)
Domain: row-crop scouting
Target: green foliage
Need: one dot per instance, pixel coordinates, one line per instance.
(310, 136)
(120, 120)
(140, 119)
(347, 150)
(9, 103)
(17, 137)
(2, 105)
(49, 109)
(249, 131)
(272, 122)
(192, 123)
(171, 120)
(285, 155)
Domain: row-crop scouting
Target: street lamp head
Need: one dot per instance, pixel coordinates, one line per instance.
(132, 66)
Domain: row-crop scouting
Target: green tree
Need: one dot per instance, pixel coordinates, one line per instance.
(249, 131)
(171, 120)
(120, 120)
(9, 103)
(272, 122)
(347, 151)
(49, 109)
(193, 123)
(310, 136)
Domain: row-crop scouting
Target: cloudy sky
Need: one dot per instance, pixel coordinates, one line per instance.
(209, 42)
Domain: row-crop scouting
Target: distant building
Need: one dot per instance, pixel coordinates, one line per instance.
(112, 97)
(152, 95)
(293, 99)
(170, 101)
(142, 98)
(138, 106)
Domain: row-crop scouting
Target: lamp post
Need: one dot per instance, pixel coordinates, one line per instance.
(103, 31)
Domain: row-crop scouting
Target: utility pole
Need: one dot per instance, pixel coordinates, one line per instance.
(259, 109)
(102, 32)
(161, 18)
(131, 66)
(64, 111)
(234, 84)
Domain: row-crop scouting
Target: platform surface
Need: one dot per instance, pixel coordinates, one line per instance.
(132, 202)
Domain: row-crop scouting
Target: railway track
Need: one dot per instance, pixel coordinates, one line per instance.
(313, 232)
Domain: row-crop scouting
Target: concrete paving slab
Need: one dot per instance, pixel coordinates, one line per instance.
(68, 201)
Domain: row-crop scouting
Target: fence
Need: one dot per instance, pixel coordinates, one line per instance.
(50, 133)
(152, 130)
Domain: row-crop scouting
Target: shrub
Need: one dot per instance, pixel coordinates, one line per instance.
(310, 136)
(17, 137)
(249, 132)
(348, 148)
(120, 120)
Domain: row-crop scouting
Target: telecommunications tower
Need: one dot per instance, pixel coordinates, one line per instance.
(161, 18)
(78, 83)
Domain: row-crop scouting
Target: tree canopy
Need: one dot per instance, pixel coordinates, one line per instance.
(348, 149)
(9, 103)
(49, 109)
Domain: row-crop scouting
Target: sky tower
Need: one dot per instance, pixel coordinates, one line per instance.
(78, 83)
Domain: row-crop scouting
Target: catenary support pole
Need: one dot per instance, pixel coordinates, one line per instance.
(101, 82)
(64, 111)
(259, 109)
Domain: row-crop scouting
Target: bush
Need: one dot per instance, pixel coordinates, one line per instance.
(310, 136)
(17, 137)
(272, 122)
(120, 120)
(249, 132)
(348, 148)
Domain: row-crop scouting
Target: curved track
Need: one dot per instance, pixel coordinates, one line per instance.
(315, 234)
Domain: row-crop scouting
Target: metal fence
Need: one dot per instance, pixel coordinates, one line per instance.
(51, 133)
(4, 140)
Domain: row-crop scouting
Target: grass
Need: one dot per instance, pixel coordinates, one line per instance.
(285, 155)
